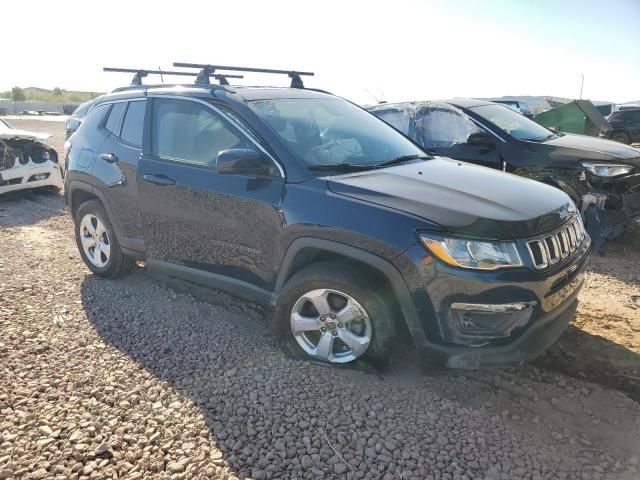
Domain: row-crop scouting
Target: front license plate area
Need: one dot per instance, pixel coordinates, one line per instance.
(555, 299)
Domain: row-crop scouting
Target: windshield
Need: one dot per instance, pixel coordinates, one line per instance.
(516, 125)
(334, 132)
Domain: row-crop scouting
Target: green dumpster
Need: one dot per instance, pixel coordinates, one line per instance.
(578, 116)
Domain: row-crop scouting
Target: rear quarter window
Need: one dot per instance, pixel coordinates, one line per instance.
(133, 123)
(96, 118)
(113, 122)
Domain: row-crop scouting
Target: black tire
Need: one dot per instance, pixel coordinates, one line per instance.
(347, 279)
(622, 137)
(118, 263)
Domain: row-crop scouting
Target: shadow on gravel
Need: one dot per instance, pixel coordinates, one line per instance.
(27, 207)
(273, 417)
(594, 358)
(222, 357)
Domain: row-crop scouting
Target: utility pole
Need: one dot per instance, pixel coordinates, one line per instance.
(581, 85)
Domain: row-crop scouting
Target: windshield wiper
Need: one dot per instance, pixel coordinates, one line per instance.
(339, 167)
(399, 160)
(356, 167)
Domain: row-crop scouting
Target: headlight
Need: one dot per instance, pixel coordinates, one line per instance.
(607, 169)
(477, 254)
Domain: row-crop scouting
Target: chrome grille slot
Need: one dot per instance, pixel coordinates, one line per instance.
(553, 248)
(538, 253)
(553, 251)
(563, 242)
(572, 238)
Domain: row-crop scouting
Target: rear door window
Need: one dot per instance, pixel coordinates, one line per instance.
(133, 123)
(189, 131)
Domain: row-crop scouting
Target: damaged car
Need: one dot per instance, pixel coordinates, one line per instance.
(26, 161)
(346, 229)
(601, 176)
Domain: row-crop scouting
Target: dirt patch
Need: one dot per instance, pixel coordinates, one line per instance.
(603, 343)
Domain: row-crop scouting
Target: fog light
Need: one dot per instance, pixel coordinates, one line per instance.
(39, 176)
(475, 324)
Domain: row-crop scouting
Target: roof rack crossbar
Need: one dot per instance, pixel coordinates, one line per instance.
(140, 73)
(294, 75)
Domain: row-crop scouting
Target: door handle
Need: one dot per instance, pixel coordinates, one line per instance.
(159, 179)
(109, 157)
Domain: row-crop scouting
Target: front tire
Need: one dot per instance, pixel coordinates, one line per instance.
(335, 314)
(97, 242)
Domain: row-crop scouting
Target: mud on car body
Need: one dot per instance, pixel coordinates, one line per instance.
(304, 202)
(26, 162)
(602, 177)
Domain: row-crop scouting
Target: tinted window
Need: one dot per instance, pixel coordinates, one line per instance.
(113, 122)
(240, 121)
(81, 111)
(443, 126)
(133, 123)
(329, 131)
(95, 118)
(192, 132)
(630, 116)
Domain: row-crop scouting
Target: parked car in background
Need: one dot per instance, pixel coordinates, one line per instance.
(518, 106)
(303, 201)
(75, 119)
(601, 176)
(26, 161)
(624, 126)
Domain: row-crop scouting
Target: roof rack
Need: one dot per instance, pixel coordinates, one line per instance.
(140, 73)
(207, 69)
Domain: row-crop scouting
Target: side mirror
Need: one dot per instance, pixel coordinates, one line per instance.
(244, 161)
(481, 139)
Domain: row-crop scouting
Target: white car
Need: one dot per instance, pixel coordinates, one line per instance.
(26, 162)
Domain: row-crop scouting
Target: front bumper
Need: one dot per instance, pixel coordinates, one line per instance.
(477, 319)
(22, 177)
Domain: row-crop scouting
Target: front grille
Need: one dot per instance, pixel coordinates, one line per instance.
(7, 159)
(552, 248)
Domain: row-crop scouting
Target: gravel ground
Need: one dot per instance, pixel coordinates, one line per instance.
(144, 378)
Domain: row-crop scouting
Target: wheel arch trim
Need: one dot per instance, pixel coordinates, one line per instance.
(76, 185)
(386, 268)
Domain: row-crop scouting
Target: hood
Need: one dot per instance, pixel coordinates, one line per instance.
(7, 133)
(590, 148)
(463, 198)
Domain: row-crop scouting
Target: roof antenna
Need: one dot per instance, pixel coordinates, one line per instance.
(379, 100)
(161, 77)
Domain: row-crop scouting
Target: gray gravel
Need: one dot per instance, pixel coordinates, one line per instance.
(138, 378)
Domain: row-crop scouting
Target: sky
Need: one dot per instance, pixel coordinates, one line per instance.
(393, 50)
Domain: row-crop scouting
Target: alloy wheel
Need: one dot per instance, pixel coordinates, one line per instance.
(331, 325)
(95, 240)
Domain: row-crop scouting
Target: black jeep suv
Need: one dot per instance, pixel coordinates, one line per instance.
(305, 202)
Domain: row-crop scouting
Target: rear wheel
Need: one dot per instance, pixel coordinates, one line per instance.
(97, 242)
(622, 137)
(335, 315)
